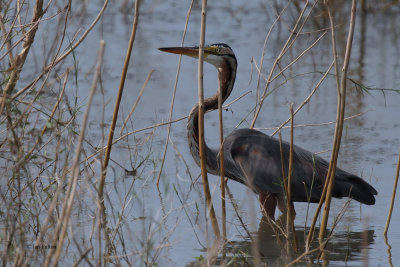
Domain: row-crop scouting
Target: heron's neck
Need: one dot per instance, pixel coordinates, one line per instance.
(226, 77)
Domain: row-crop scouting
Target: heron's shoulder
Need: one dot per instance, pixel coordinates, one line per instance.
(250, 138)
(254, 139)
(243, 133)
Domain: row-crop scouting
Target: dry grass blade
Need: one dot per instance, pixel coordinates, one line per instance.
(210, 208)
(389, 251)
(396, 180)
(136, 102)
(236, 209)
(171, 109)
(290, 208)
(68, 202)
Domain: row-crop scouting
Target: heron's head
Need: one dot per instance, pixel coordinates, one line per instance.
(214, 54)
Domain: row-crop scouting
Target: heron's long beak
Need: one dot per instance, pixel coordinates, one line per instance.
(187, 51)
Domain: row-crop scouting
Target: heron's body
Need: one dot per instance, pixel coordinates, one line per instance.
(254, 158)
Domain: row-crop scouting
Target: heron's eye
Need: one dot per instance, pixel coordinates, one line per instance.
(217, 50)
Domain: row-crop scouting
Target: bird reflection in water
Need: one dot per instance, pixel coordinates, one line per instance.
(274, 250)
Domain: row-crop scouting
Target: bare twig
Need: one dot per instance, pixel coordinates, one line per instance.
(275, 64)
(19, 61)
(7, 41)
(307, 100)
(312, 124)
(265, 46)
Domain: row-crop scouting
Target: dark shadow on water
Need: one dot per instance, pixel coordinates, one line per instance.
(345, 247)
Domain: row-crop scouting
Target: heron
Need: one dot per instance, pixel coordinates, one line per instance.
(254, 158)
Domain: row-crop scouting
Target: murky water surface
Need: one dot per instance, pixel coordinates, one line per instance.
(171, 223)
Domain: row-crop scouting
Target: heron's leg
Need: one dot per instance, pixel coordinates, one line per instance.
(268, 202)
(282, 206)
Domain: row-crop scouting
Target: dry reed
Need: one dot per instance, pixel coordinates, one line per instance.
(210, 208)
(289, 204)
(222, 167)
(396, 180)
(330, 177)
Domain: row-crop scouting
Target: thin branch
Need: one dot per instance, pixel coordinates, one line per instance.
(274, 65)
(312, 124)
(265, 46)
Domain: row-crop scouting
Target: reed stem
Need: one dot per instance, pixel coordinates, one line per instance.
(396, 180)
(290, 208)
(221, 166)
(103, 175)
(118, 100)
(210, 208)
(340, 115)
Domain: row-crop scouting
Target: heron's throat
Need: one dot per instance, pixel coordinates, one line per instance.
(226, 76)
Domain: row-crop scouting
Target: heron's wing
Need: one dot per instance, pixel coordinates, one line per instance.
(259, 158)
(260, 166)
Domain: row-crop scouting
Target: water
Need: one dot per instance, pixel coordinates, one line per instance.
(171, 223)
